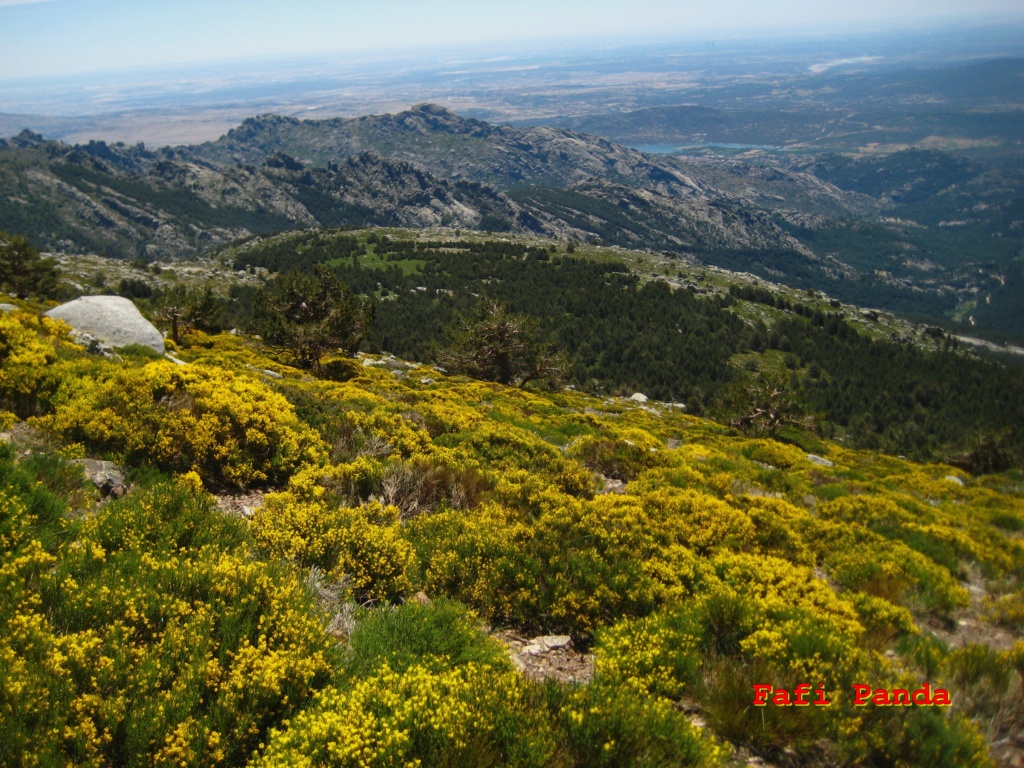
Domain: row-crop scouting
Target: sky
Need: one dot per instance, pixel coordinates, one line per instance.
(65, 37)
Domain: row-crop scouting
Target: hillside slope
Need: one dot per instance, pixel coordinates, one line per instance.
(128, 201)
(693, 563)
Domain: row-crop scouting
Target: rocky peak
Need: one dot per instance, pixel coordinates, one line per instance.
(432, 118)
(255, 127)
(27, 138)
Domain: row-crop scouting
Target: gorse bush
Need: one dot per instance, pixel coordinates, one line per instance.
(28, 351)
(470, 715)
(144, 633)
(230, 429)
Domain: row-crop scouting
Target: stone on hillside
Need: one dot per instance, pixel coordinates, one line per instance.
(113, 321)
(821, 462)
(554, 642)
(547, 643)
(638, 397)
(8, 308)
(106, 476)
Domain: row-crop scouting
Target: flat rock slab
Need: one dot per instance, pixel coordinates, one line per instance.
(546, 644)
(113, 321)
(821, 462)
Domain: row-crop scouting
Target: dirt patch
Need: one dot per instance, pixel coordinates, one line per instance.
(240, 504)
(968, 625)
(549, 657)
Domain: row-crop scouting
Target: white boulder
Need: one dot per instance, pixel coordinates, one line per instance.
(113, 321)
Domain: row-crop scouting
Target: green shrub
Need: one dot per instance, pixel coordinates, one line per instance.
(438, 636)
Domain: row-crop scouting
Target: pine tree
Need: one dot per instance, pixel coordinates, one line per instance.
(23, 271)
(310, 314)
(492, 344)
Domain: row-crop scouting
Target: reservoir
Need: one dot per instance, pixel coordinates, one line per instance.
(665, 149)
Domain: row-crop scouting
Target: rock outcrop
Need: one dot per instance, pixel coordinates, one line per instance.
(106, 476)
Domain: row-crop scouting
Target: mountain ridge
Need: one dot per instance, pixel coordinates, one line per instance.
(126, 192)
(902, 249)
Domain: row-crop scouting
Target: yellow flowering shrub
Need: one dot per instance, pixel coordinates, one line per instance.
(470, 715)
(565, 564)
(443, 415)
(479, 557)
(231, 430)
(699, 521)
(359, 547)
(716, 646)
(404, 436)
(610, 723)
(502, 448)
(862, 560)
(373, 559)
(28, 351)
(146, 633)
(622, 456)
(774, 453)
(1007, 610)
(477, 715)
(778, 528)
(157, 630)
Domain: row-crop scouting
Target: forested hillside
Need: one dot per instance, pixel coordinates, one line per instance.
(675, 338)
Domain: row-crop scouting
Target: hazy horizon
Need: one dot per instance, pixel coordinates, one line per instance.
(561, 70)
(61, 38)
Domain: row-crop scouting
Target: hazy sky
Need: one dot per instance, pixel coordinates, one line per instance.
(47, 37)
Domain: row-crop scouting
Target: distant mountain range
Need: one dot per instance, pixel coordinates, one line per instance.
(825, 222)
(423, 167)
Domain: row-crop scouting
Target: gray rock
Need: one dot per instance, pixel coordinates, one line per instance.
(819, 460)
(546, 644)
(113, 321)
(8, 308)
(638, 397)
(953, 479)
(106, 476)
(554, 642)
